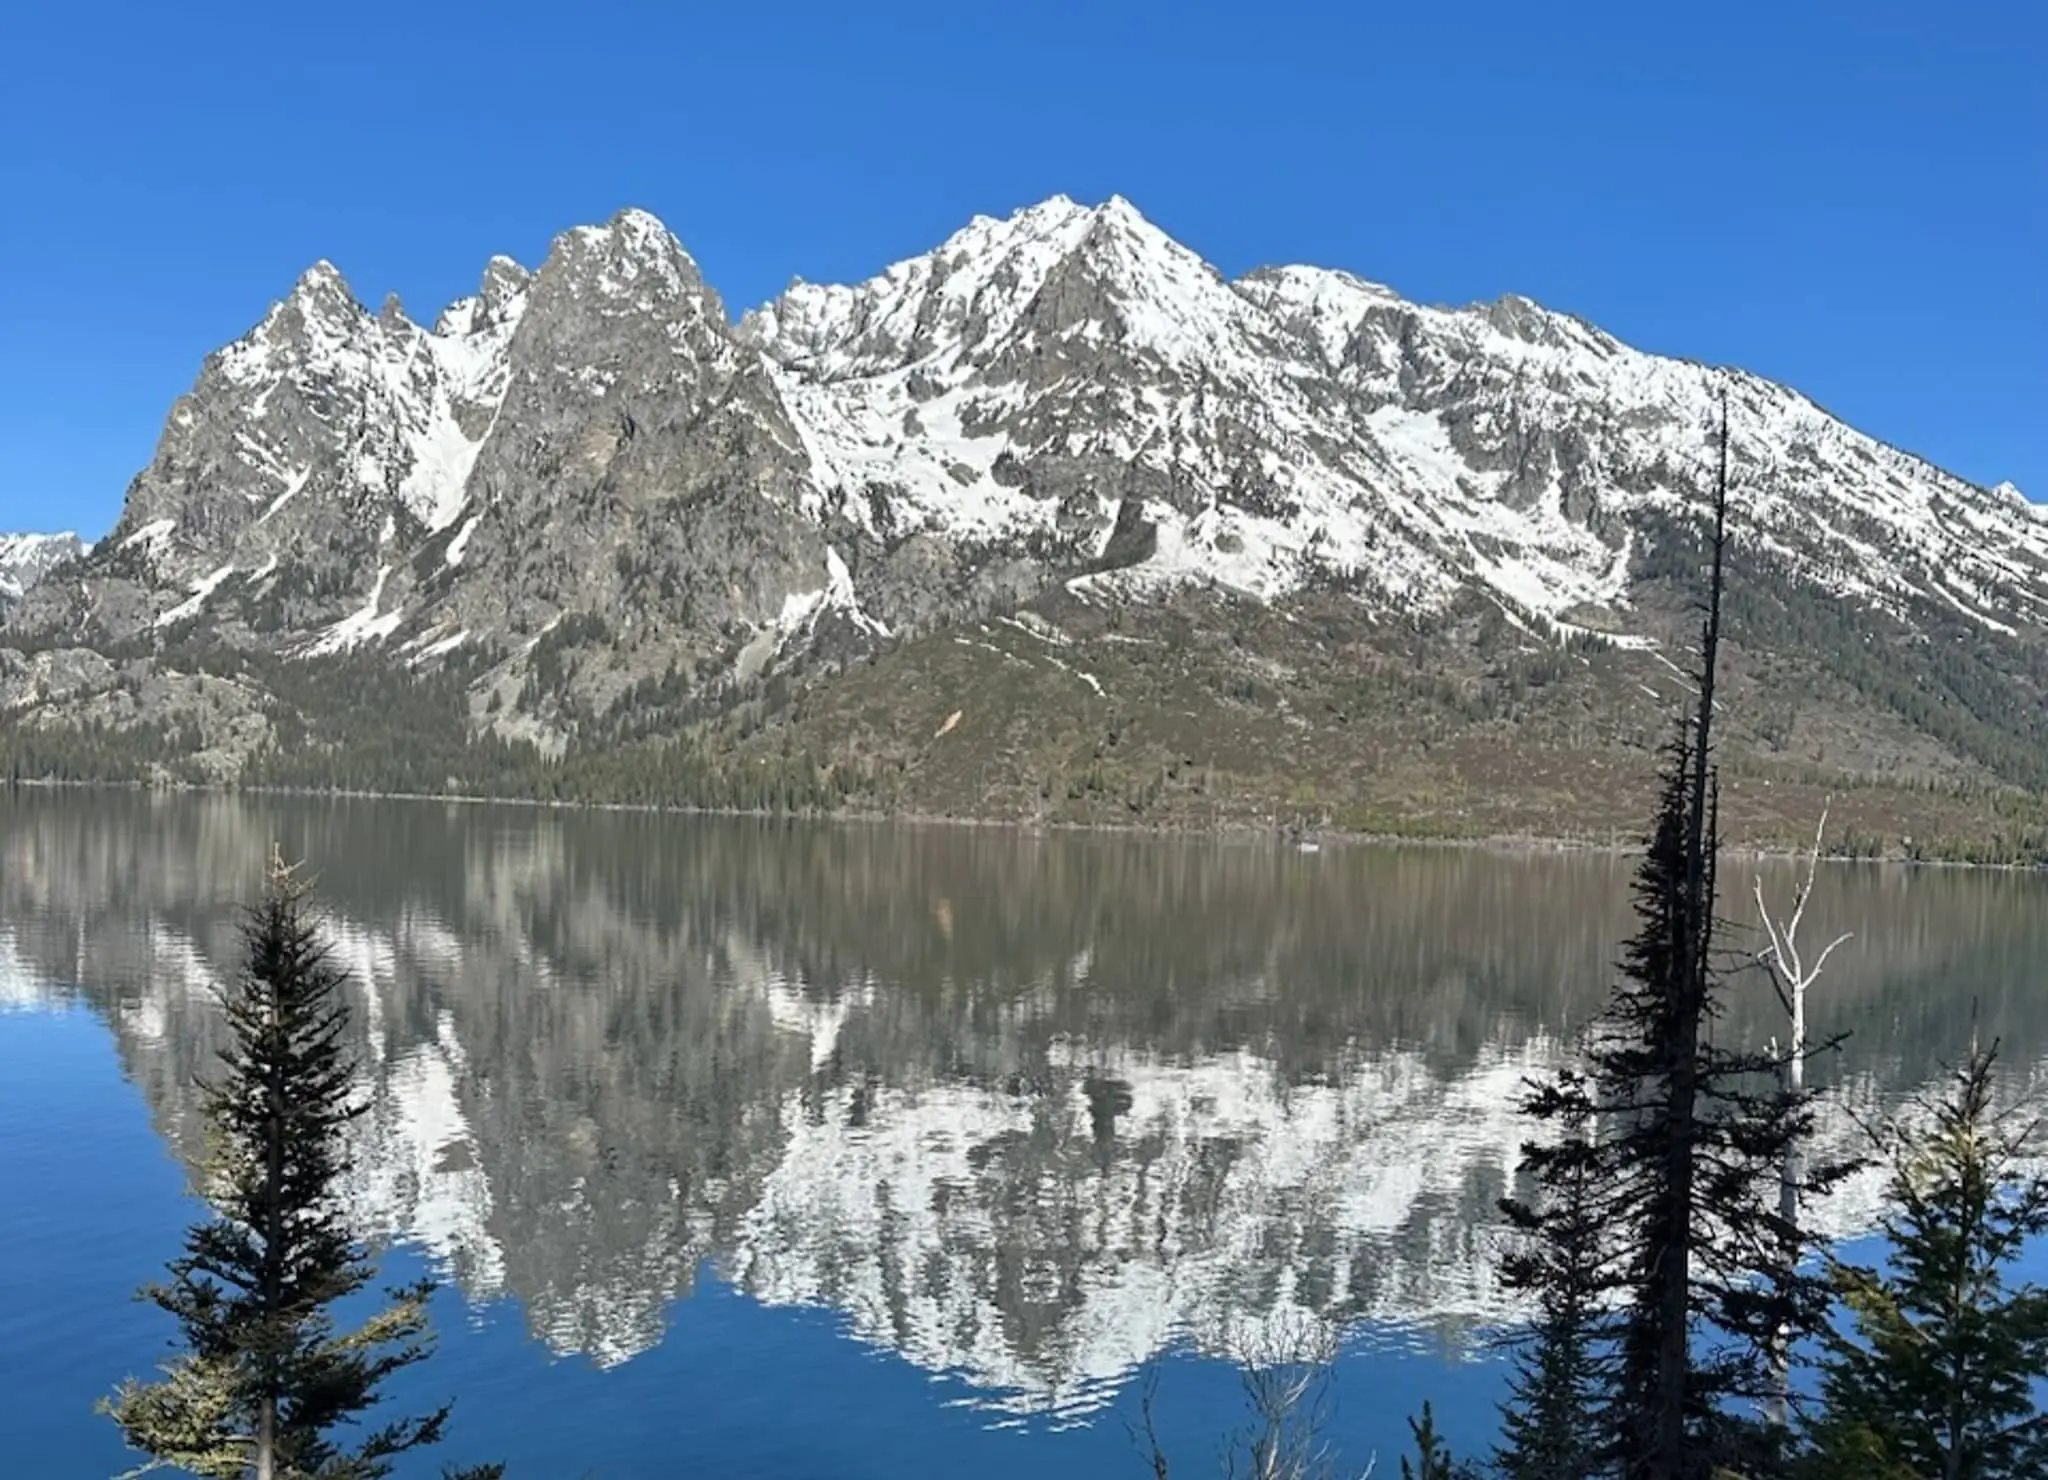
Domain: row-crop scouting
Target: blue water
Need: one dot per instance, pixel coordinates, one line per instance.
(867, 1152)
(93, 1205)
(96, 1204)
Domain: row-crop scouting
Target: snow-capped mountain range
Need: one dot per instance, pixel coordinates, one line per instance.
(1296, 422)
(587, 477)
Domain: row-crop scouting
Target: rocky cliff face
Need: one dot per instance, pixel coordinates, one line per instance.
(585, 485)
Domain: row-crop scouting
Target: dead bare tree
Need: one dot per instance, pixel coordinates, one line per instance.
(1791, 976)
(1286, 1367)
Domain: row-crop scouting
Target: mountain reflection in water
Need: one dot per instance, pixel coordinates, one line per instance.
(1024, 1110)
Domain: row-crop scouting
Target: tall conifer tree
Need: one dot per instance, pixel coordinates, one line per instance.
(1672, 1147)
(266, 1385)
(1937, 1372)
(1550, 1423)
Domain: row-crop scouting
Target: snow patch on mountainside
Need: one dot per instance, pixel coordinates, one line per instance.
(293, 482)
(442, 456)
(151, 537)
(940, 479)
(368, 623)
(460, 543)
(800, 613)
(202, 588)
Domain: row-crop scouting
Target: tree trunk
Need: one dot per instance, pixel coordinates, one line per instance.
(266, 1439)
(1672, 1293)
(1791, 1170)
(1792, 976)
(1668, 1441)
(272, 1230)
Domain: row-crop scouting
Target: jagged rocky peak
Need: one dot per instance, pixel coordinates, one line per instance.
(303, 453)
(1129, 285)
(317, 319)
(1527, 320)
(321, 299)
(633, 255)
(619, 309)
(496, 303)
(1021, 298)
(918, 306)
(322, 286)
(1122, 235)
(504, 280)
(1047, 268)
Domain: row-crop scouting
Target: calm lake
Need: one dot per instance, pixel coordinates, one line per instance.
(758, 1149)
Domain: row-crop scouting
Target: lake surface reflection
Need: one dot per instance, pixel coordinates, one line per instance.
(1023, 1111)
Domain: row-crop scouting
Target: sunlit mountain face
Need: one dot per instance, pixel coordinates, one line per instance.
(1026, 1111)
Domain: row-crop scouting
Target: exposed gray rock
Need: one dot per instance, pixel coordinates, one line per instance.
(51, 677)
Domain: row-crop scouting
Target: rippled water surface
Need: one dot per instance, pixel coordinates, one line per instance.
(758, 1149)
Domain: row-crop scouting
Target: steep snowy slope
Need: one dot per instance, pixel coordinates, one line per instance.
(1546, 420)
(1039, 373)
(1014, 390)
(304, 453)
(1303, 424)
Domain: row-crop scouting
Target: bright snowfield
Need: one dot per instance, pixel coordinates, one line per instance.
(1307, 424)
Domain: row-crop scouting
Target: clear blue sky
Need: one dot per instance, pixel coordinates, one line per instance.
(1848, 195)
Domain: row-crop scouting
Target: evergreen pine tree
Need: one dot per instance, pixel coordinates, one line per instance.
(1550, 1423)
(1675, 1145)
(1432, 1459)
(266, 1384)
(1937, 1372)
